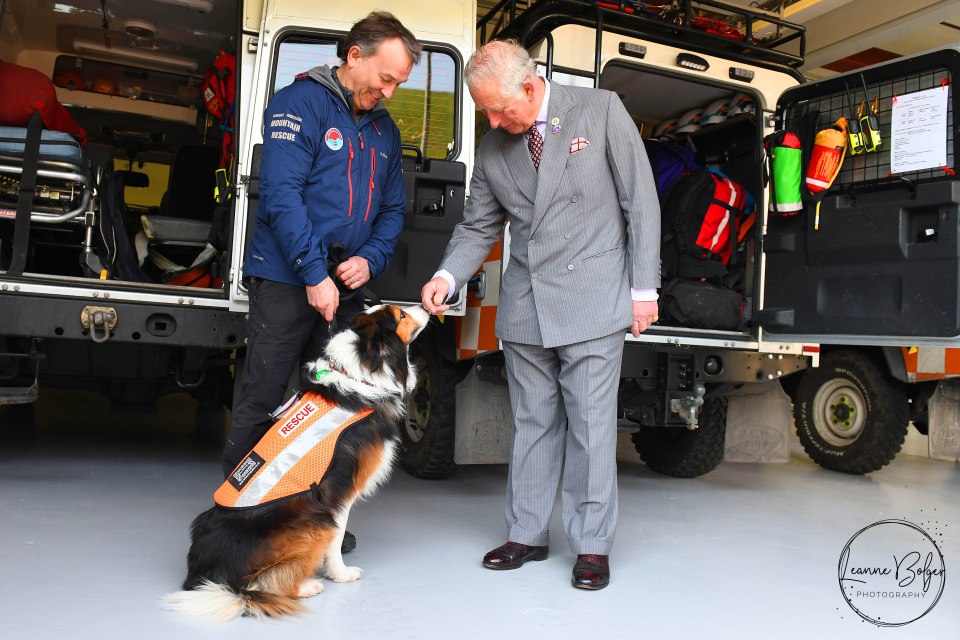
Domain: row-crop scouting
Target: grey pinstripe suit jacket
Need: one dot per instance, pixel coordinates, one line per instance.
(583, 230)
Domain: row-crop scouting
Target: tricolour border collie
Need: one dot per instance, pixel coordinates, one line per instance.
(260, 560)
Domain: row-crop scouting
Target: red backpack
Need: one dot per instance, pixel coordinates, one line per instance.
(700, 216)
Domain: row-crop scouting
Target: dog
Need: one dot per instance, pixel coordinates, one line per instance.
(261, 560)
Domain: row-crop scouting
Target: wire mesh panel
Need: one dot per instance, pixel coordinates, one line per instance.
(844, 96)
(877, 260)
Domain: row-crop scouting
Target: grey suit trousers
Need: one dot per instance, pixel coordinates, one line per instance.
(565, 415)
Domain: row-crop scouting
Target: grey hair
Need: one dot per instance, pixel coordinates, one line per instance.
(504, 61)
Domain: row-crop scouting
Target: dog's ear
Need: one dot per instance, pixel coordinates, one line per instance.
(379, 346)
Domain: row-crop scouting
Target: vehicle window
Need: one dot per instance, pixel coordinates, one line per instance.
(424, 107)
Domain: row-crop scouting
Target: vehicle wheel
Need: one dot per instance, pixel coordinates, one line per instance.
(427, 433)
(850, 417)
(683, 453)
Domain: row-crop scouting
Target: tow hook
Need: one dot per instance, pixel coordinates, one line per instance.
(688, 406)
(100, 321)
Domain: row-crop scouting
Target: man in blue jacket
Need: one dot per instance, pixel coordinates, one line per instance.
(330, 175)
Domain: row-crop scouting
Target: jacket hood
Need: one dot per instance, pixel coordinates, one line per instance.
(324, 75)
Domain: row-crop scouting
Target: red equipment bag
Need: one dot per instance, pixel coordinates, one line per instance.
(700, 216)
(217, 91)
(219, 86)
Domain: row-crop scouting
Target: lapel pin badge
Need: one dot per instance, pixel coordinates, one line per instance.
(556, 125)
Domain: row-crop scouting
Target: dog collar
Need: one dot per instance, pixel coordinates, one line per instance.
(320, 373)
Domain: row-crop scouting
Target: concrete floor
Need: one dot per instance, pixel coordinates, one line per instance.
(95, 511)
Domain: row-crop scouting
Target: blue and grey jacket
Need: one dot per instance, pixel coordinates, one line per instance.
(324, 178)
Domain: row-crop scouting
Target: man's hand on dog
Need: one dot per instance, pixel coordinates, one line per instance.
(433, 294)
(324, 297)
(354, 272)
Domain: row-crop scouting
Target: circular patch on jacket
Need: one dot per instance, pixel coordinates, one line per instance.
(333, 138)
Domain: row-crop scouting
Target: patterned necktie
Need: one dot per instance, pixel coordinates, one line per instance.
(535, 144)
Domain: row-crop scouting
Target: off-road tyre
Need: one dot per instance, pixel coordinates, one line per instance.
(850, 416)
(427, 431)
(682, 453)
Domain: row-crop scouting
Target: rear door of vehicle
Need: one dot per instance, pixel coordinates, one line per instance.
(429, 110)
(880, 263)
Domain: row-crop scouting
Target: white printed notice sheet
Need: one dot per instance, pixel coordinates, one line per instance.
(919, 130)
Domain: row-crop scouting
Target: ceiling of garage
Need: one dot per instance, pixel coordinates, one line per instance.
(841, 34)
(848, 34)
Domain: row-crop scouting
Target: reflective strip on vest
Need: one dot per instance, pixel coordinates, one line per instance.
(293, 455)
(476, 329)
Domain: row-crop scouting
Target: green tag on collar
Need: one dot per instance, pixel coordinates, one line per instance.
(320, 373)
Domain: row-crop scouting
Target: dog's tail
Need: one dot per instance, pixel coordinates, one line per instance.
(219, 603)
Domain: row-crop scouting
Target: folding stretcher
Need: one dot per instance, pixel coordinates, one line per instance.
(63, 190)
(42, 181)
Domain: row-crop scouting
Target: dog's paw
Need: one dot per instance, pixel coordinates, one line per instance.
(345, 574)
(310, 587)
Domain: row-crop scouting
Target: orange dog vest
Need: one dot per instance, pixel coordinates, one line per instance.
(292, 456)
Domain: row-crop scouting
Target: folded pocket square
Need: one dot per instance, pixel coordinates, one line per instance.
(578, 144)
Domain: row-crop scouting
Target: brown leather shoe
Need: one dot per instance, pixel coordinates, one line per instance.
(591, 571)
(512, 555)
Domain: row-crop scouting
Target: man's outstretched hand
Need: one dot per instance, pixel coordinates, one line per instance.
(433, 294)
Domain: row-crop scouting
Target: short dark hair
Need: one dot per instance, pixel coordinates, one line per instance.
(374, 30)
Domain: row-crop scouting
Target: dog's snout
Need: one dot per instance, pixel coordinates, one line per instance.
(419, 314)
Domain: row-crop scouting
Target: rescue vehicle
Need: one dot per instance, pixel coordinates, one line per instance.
(132, 74)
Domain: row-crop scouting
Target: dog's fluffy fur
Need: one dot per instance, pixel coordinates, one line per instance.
(260, 561)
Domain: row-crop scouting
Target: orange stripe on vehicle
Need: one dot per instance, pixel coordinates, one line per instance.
(910, 358)
(475, 331)
(951, 362)
(487, 340)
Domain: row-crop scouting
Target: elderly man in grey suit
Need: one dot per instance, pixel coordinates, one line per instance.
(566, 167)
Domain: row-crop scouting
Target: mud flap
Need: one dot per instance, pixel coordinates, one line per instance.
(484, 428)
(758, 424)
(944, 421)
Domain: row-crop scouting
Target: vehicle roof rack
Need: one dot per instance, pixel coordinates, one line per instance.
(704, 25)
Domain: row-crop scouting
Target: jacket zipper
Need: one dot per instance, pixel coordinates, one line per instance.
(373, 170)
(350, 177)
